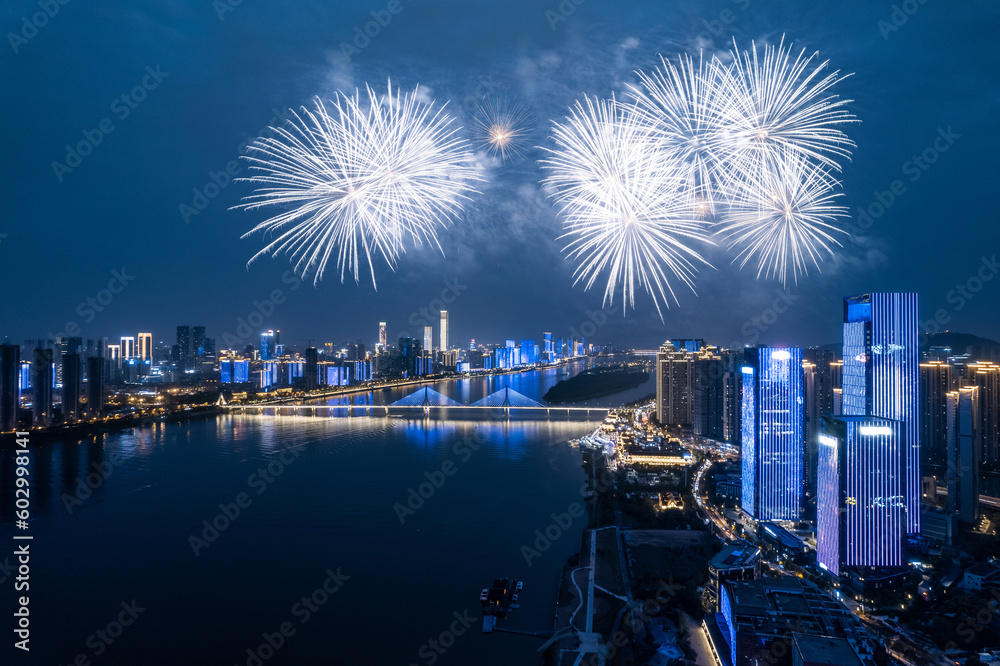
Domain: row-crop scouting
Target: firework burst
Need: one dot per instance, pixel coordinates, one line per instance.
(784, 220)
(771, 103)
(360, 180)
(620, 195)
(501, 127)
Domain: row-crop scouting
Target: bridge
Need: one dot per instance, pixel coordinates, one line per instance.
(427, 402)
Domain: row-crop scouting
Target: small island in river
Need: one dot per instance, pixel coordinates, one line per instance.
(596, 383)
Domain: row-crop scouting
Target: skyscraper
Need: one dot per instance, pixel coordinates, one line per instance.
(71, 388)
(935, 384)
(128, 346)
(674, 370)
(428, 339)
(444, 331)
(986, 376)
(860, 508)
(707, 394)
(146, 346)
(267, 346)
(312, 369)
(10, 386)
(41, 381)
(198, 341)
(183, 345)
(964, 449)
(772, 429)
(382, 337)
(95, 386)
(881, 375)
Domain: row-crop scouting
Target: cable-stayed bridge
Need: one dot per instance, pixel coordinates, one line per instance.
(425, 401)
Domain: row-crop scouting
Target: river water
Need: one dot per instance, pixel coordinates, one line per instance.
(323, 503)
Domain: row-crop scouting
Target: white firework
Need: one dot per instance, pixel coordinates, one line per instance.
(501, 127)
(680, 103)
(359, 180)
(783, 221)
(772, 103)
(620, 195)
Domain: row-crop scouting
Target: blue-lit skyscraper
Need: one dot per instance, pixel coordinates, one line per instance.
(860, 509)
(772, 428)
(267, 346)
(881, 375)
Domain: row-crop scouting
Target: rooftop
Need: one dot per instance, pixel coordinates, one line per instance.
(825, 651)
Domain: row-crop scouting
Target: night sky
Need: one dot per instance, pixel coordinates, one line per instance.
(216, 73)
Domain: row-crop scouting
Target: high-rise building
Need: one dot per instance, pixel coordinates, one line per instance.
(860, 508)
(881, 374)
(128, 347)
(674, 371)
(71, 388)
(708, 394)
(428, 339)
(267, 346)
(444, 331)
(409, 352)
(986, 376)
(10, 386)
(935, 384)
(732, 398)
(183, 345)
(383, 338)
(198, 341)
(772, 431)
(95, 386)
(145, 347)
(312, 369)
(963, 452)
(41, 381)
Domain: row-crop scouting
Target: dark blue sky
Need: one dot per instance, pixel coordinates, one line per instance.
(219, 82)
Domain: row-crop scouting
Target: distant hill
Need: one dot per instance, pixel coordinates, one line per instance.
(959, 342)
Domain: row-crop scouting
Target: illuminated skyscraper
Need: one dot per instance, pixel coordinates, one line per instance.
(860, 508)
(772, 429)
(708, 394)
(382, 337)
(428, 339)
(986, 376)
(881, 375)
(964, 450)
(674, 373)
(146, 346)
(128, 346)
(10, 386)
(444, 330)
(547, 336)
(267, 346)
(198, 341)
